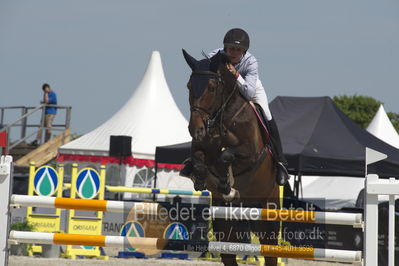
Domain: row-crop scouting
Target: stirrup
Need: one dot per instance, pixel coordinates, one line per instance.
(282, 175)
(233, 195)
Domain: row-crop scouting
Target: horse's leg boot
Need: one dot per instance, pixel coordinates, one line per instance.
(282, 173)
(225, 160)
(199, 174)
(196, 173)
(224, 188)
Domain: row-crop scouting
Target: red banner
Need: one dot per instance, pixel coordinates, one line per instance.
(3, 139)
(131, 161)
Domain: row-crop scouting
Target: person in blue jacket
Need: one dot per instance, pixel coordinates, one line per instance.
(49, 97)
(244, 67)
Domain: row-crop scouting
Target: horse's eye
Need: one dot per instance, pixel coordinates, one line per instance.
(212, 86)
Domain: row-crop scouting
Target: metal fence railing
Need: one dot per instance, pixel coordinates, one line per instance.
(24, 123)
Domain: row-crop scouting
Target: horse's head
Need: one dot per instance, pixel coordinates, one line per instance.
(206, 86)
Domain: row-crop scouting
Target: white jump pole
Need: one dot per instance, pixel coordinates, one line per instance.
(6, 170)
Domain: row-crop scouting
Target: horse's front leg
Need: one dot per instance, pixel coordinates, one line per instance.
(225, 178)
(200, 170)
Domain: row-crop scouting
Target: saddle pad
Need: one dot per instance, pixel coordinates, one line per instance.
(263, 127)
(260, 119)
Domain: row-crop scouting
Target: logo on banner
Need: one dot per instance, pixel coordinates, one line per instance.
(45, 181)
(176, 231)
(88, 247)
(132, 229)
(88, 183)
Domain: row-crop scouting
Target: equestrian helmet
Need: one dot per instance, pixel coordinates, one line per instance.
(237, 37)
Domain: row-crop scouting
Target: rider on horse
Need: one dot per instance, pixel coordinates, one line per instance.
(244, 67)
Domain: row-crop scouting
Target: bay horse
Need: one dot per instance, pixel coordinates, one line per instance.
(230, 152)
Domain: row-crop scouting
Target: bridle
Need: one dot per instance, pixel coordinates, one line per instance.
(211, 117)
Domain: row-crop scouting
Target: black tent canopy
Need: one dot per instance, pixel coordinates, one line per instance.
(317, 138)
(173, 154)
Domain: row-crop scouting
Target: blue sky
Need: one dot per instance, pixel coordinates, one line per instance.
(94, 52)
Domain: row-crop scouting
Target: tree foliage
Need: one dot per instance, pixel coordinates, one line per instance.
(394, 117)
(362, 109)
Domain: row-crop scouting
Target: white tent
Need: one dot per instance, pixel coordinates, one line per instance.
(382, 128)
(330, 192)
(151, 117)
(338, 192)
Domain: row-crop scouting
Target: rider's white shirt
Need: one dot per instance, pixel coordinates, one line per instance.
(249, 83)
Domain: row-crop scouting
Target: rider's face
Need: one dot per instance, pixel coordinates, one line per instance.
(234, 53)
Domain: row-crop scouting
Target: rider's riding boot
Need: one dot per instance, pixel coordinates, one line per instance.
(187, 170)
(282, 173)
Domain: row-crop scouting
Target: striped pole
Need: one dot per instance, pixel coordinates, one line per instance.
(151, 190)
(84, 204)
(228, 213)
(156, 191)
(157, 244)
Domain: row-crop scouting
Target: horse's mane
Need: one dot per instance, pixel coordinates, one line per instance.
(208, 63)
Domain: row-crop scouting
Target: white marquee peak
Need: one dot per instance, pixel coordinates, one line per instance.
(150, 116)
(381, 127)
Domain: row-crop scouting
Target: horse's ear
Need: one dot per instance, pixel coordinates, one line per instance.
(191, 61)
